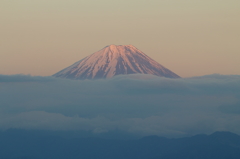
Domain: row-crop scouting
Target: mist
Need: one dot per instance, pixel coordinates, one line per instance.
(137, 104)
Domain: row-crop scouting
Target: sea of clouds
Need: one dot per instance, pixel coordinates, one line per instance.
(136, 104)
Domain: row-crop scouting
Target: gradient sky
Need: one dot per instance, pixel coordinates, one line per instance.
(190, 37)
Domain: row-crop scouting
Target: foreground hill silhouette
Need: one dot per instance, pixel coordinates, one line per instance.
(28, 145)
(115, 60)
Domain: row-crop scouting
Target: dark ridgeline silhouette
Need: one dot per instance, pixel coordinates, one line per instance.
(17, 144)
(115, 60)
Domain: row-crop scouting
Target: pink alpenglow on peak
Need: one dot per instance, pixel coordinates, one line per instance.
(115, 60)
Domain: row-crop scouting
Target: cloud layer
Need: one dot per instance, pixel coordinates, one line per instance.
(137, 104)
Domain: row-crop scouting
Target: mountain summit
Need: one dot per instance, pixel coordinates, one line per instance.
(115, 60)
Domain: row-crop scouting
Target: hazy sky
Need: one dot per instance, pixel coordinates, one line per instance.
(190, 37)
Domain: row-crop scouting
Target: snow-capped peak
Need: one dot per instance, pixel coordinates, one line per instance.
(114, 60)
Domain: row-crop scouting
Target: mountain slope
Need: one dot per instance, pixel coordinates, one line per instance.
(115, 60)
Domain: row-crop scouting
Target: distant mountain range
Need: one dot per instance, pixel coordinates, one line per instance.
(115, 60)
(26, 145)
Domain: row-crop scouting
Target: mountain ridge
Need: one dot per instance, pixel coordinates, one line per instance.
(26, 145)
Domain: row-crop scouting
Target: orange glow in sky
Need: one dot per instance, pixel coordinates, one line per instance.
(191, 38)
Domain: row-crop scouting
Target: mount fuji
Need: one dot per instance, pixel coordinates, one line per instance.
(115, 60)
